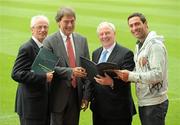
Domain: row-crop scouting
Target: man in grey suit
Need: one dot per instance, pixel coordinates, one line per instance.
(32, 92)
(67, 88)
(112, 103)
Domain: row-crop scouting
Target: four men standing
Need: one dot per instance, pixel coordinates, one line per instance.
(111, 100)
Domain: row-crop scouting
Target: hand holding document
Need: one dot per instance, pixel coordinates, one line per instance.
(79, 72)
(104, 80)
(94, 69)
(122, 74)
(49, 76)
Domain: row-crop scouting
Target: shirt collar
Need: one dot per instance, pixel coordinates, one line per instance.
(39, 44)
(64, 36)
(110, 49)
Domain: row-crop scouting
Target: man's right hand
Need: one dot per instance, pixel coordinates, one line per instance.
(79, 72)
(122, 74)
(49, 76)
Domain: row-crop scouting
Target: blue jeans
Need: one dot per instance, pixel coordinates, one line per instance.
(153, 115)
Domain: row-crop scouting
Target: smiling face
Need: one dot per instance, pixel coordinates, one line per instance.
(40, 29)
(67, 24)
(106, 36)
(138, 28)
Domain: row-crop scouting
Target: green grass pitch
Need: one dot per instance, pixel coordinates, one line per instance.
(163, 16)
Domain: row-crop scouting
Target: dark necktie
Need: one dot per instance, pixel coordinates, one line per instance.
(71, 56)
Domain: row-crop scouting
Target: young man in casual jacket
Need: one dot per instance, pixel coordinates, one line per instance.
(150, 74)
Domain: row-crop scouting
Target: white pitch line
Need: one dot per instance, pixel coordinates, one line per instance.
(174, 99)
(7, 116)
(15, 115)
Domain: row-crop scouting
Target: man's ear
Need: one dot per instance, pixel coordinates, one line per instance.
(146, 24)
(31, 29)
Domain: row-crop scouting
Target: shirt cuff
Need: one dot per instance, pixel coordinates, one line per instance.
(133, 77)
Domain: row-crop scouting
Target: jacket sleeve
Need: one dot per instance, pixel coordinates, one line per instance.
(128, 61)
(156, 66)
(87, 85)
(22, 69)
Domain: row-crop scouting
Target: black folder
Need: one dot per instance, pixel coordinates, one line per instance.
(44, 62)
(94, 69)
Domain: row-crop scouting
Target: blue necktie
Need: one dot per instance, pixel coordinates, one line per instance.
(103, 57)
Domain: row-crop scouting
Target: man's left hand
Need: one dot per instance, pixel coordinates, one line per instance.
(104, 80)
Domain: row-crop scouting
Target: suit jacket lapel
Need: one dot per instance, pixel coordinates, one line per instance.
(113, 54)
(62, 48)
(96, 58)
(36, 48)
(77, 48)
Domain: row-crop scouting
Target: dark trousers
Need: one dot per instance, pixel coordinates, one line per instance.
(98, 120)
(70, 115)
(153, 115)
(25, 121)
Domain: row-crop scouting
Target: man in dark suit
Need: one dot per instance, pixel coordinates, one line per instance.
(67, 93)
(112, 103)
(32, 92)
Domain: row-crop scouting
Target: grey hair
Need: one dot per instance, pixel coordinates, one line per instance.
(105, 24)
(35, 18)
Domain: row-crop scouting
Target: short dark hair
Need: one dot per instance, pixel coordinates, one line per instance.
(64, 11)
(140, 15)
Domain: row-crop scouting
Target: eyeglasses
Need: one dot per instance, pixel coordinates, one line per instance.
(39, 27)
